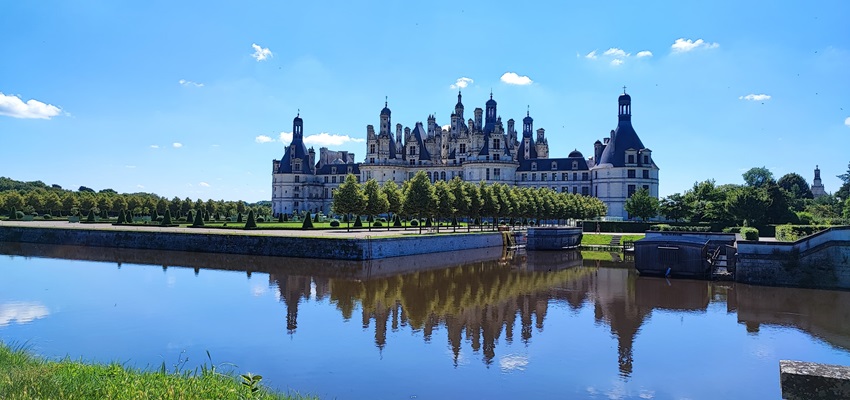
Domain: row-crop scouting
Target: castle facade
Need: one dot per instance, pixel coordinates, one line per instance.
(481, 148)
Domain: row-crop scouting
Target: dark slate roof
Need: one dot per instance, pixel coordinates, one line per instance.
(300, 152)
(532, 151)
(545, 164)
(341, 169)
(576, 153)
(625, 138)
(419, 136)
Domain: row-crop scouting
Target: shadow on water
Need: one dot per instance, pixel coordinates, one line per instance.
(481, 296)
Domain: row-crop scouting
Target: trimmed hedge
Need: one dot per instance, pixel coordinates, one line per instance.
(334, 223)
(615, 226)
(683, 228)
(749, 233)
(792, 233)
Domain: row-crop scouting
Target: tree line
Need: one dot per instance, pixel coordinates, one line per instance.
(418, 198)
(760, 201)
(38, 198)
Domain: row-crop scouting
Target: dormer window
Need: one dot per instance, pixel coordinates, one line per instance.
(631, 158)
(646, 159)
(349, 170)
(534, 166)
(298, 166)
(496, 143)
(554, 165)
(412, 151)
(333, 170)
(575, 164)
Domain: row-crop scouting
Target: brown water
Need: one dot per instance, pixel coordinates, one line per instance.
(474, 324)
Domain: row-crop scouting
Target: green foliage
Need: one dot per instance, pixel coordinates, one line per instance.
(396, 222)
(748, 205)
(377, 224)
(166, 219)
(308, 222)
(349, 197)
(13, 214)
(414, 222)
(750, 233)
(615, 226)
(47, 216)
(91, 217)
(357, 222)
(795, 185)
(642, 205)
(280, 217)
(376, 199)
(251, 223)
(791, 233)
(334, 223)
(239, 217)
(199, 219)
(680, 228)
(316, 218)
(758, 177)
(122, 219)
(394, 197)
(419, 199)
(261, 219)
(428, 223)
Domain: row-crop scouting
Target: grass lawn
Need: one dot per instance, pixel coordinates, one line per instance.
(23, 376)
(605, 240)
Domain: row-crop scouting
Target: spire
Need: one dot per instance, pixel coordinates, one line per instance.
(491, 93)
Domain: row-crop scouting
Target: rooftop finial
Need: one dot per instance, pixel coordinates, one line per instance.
(385, 100)
(491, 93)
(299, 113)
(527, 110)
(624, 89)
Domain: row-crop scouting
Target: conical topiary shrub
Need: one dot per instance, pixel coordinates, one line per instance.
(199, 219)
(122, 219)
(369, 219)
(239, 217)
(251, 223)
(308, 223)
(280, 217)
(316, 218)
(129, 217)
(428, 222)
(13, 214)
(90, 217)
(397, 221)
(154, 215)
(358, 223)
(166, 219)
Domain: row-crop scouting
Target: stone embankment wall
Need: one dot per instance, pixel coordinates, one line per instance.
(255, 244)
(818, 261)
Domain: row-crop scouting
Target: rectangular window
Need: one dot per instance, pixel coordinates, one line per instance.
(412, 162)
(496, 157)
(533, 176)
(462, 149)
(544, 176)
(371, 148)
(565, 176)
(496, 144)
(297, 178)
(326, 179)
(488, 174)
(371, 160)
(554, 165)
(563, 189)
(497, 174)
(524, 176)
(646, 160)
(575, 176)
(646, 187)
(368, 175)
(646, 174)
(333, 179)
(631, 173)
(631, 190)
(631, 158)
(585, 190)
(585, 176)
(575, 189)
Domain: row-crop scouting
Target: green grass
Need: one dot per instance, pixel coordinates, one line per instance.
(23, 376)
(605, 240)
(596, 255)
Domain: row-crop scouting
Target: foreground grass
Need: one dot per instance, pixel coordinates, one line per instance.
(23, 376)
(605, 240)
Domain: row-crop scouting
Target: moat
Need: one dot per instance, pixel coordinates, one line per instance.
(472, 324)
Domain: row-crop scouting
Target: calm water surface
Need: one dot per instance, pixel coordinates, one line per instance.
(475, 324)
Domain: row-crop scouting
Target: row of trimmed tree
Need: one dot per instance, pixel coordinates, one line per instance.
(419, 198)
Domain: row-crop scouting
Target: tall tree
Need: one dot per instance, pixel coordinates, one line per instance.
(796, 185)
(489, 202)
(758, 177)
(748, 205)
(642, 205)
(472, 190)
(445, 202)
(462, 200)
(420, 200)
(673, 207)
(376, 200)
(394, 199)
(349, 198)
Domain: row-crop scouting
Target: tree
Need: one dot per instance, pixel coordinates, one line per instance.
(394, 198)
(474, 194)
(376, 200)
(420, 200)
(642, 205)
(251, 223)
(121, 218)
(14, 200)
(70, 202)
(349, 198)
(489, 202)
(796, 185)
(445, 201)
(845, 177)
(199, 218)
(748, 205)
(758, 177)
(462, 199)
(673, 207)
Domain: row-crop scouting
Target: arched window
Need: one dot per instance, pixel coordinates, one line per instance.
(443, 175)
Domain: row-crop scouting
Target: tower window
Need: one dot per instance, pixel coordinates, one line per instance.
(496, 143)
(497, 174)
(371, 148)
(631, 173)
(496, 157)
(463, 147)
(297, 179)
(631, 190)
(646, 174)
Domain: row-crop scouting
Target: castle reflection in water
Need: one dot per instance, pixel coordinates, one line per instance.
(482, 296)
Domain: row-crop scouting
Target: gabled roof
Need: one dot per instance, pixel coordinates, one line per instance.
(419, 136)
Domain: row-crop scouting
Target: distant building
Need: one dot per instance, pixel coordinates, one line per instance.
(817, 186)
(478, 149)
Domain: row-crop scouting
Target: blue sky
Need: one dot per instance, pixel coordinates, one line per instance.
(193, 99)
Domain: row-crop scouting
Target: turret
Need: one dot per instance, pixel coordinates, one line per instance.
(385, 120)
(512, 131)
(478, 114)
(625, 105)
(541, 135)
(297, 128)
(459, 106)
(527, 125)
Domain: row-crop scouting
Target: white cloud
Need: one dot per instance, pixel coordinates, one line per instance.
(327, 139)
(615, 62)
(140, 186)
(461, 83)
(130, 166)
(204, 184)
(446, 127)
(21, 312)
(591, 55)
(154, 146)
(263, 139)
(511, 78)
(260, 53)
(683, 45)
(847, 121)
(755, 97)
(513, 362)
(321, 139)
(615, 52)
(645, 53)
(177, 145)
(184, 82)
(13, 106)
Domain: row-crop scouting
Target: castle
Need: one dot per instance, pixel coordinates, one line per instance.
(478, 149)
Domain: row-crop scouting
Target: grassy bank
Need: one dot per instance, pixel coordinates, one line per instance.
(23, 376)
(604, 240)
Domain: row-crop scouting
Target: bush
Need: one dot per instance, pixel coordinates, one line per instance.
(396, 221)
(384, 220)
(160, 218)
(683, 228)
(357, 222)
(19, 215)
(251, 223)
(261, 219)
(414, 222)
(377, 224)
(122, 218)
(335, 223)
(791, 233)
(166, 219)
(615, 226)
(428, 222)
(280, 217)
(750, 233)
(239, 217)
(47, 216)
(199, 219)
(316, 218)
(90, 217)
(307, 224)
(181, 219)
(732, 229)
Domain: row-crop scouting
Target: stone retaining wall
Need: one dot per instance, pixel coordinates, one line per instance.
(253, 244)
